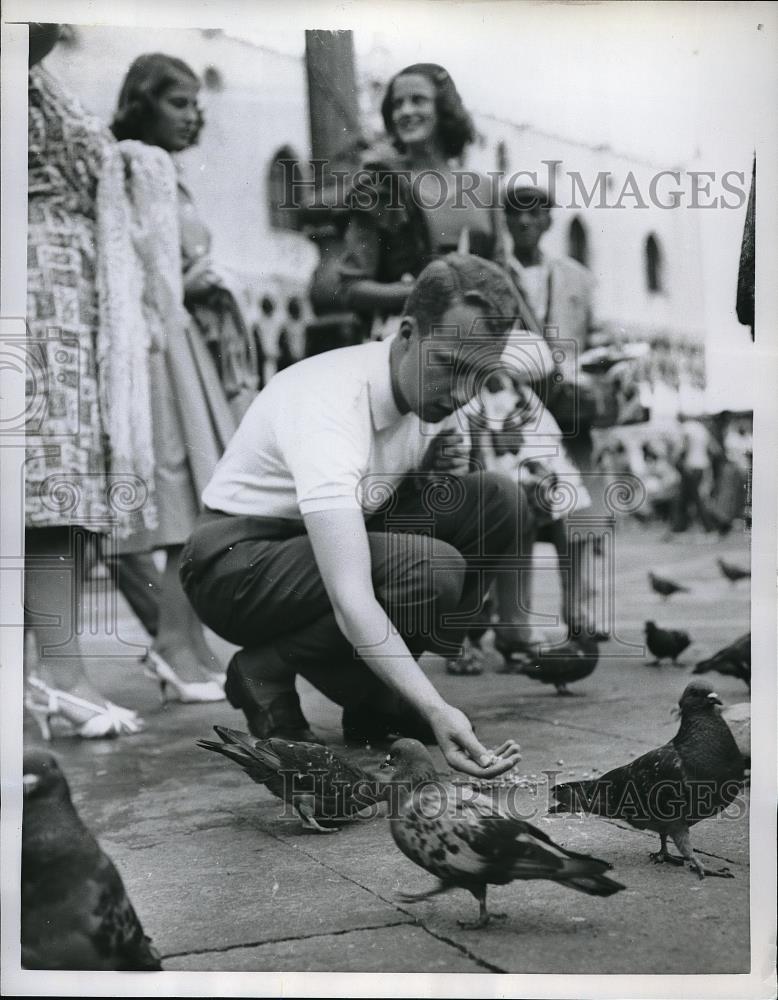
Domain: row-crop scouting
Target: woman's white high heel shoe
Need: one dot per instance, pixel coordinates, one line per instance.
(172, 688)
(87, 719)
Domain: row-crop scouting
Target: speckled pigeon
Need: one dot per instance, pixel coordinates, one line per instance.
(470, 841)
(667, 790)
(321, 786)
(75, 910)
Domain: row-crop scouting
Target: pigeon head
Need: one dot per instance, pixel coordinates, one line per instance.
(42, 776)
(650, 626)
(411, 762)
(698, 696)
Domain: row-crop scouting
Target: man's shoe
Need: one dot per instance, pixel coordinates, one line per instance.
(578, 631)
(363, 724)
(282, 717)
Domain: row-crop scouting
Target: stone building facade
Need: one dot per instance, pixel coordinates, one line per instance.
(646, 259)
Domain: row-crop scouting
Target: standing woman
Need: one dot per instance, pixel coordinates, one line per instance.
(82, 441)
(408, 208)
(201, 368)
(417, 210)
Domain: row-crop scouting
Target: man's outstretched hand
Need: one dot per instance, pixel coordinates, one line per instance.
(464, 752)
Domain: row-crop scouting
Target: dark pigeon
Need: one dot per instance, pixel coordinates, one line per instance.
(733, 660)
(732, 572)
(75, 911)
(664, 643)
(322, 788)
(469, 841)
(664, 587)
(562, 665)
(667, 790)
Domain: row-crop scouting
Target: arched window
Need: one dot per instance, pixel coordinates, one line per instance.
(654, 264)
(578, 242)
(284, 170)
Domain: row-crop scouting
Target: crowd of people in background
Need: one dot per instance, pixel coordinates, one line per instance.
(154, 367)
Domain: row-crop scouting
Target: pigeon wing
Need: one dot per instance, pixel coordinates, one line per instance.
(649, 788)
(641, 792)
(315, 769)
(496, 848)
(118, 932)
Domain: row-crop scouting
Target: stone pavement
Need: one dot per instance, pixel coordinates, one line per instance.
(222, 882)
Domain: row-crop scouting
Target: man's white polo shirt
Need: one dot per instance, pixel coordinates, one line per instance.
(324, 434)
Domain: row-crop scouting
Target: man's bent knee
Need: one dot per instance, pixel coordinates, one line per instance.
(503, 499)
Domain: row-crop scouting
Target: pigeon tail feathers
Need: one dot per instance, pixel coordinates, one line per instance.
(594, 885)
(575, 796)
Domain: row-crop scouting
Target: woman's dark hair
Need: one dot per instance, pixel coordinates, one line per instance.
(147, 79)
(455, 126)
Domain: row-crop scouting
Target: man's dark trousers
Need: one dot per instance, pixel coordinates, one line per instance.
(435, 548)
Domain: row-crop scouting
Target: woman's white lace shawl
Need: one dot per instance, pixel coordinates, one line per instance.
(140, 296)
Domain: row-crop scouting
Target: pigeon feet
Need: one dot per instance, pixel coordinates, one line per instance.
(315, 827)
(561, 689)
(683, 843)
(305, 811)
(483, 921)
(659, 857)
(697, 866)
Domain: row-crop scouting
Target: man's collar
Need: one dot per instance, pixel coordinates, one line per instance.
(383, 408)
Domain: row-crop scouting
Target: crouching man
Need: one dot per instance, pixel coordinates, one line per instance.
(342, 537)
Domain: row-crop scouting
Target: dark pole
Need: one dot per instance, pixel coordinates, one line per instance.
(333, 107)
(332, 92)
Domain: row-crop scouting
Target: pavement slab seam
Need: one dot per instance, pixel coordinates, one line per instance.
(482, 962)
(280, 940)
(650, 833)
(393, 903)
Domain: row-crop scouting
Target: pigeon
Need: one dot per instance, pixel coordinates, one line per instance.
(470, 841)
(562, 665)
(664, 587)
(667, 790)
(733, 573)
(322, 788)
(75, 910)
(734, 660)
(664, 642)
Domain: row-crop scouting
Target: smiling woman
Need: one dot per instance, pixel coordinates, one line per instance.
(416, 211)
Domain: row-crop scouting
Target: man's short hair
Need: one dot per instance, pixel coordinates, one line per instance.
(466, 278)
(520, 196)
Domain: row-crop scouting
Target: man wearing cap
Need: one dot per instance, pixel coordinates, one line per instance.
(341, 539)
(556, 296)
